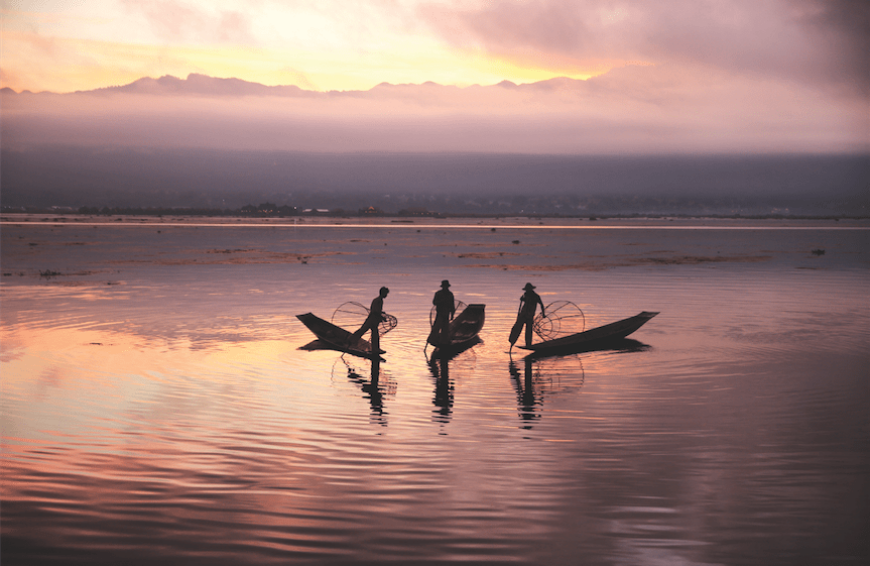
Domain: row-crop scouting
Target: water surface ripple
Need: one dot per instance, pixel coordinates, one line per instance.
(156, 405)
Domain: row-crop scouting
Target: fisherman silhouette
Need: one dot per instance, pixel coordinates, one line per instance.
(376, 316)
(445, 308)
(526, 314)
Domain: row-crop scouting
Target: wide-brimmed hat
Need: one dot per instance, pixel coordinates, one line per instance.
(445, 283)
(528, 287)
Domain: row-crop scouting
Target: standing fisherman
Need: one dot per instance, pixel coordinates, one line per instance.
(445, 308)
(376, 316)
(526, 314)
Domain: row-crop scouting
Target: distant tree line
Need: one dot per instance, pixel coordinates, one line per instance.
(262, 210)
(212, 182)
(572, 206)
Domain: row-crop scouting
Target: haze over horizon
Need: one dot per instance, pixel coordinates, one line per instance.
(609, 114)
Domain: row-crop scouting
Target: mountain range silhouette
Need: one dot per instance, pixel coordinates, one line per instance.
(205, 85)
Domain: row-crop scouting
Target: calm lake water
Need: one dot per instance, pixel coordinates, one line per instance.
(157, 407)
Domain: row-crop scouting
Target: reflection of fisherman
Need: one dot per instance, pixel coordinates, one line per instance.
(376, 316)
(526, 314)
(372, 389)
(527, 404)
(445, 308)
(443, 400)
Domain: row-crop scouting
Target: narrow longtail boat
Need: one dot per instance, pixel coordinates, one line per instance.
(338, 338)
(463, 330)
(596, 336)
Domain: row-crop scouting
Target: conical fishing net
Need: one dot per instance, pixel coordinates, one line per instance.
(458, 305)
(351, 315)
(563, 319)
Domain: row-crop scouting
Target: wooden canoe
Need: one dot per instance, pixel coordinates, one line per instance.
(603, 334)
(338, 338)
(463, 329)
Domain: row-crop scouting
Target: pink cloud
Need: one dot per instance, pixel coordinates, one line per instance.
(815, 41)
(177, 21)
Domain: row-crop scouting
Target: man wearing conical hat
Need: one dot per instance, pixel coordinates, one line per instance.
(526, 314)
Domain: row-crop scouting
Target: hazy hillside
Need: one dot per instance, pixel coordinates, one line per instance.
(631, 110)
(627, 141)
(65, 176)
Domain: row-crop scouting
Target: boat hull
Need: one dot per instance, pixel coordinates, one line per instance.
(337, 338)
(596, 336)
(463, 329)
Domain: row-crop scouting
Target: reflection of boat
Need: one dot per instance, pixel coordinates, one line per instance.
(596, 337)
(618, 344)
(336, 337)
(450, 352)
(463, 330)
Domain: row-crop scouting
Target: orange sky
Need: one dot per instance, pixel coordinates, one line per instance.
(687, 75)
(68, 45)
(64, 46)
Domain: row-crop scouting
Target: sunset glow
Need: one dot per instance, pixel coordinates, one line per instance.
(597, 76)
(267, 266)
(72, 46)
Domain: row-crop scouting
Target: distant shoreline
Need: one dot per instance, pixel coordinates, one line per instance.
(444, 221)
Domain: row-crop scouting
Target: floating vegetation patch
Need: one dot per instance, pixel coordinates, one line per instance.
(487, 255)
(515, 267)
(233, 257)
(694, 260)
(50, 273)
(236, 251)
(628, 262)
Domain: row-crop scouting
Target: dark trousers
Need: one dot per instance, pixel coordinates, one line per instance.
(441, 328)
(371, 323)
(529, 323)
